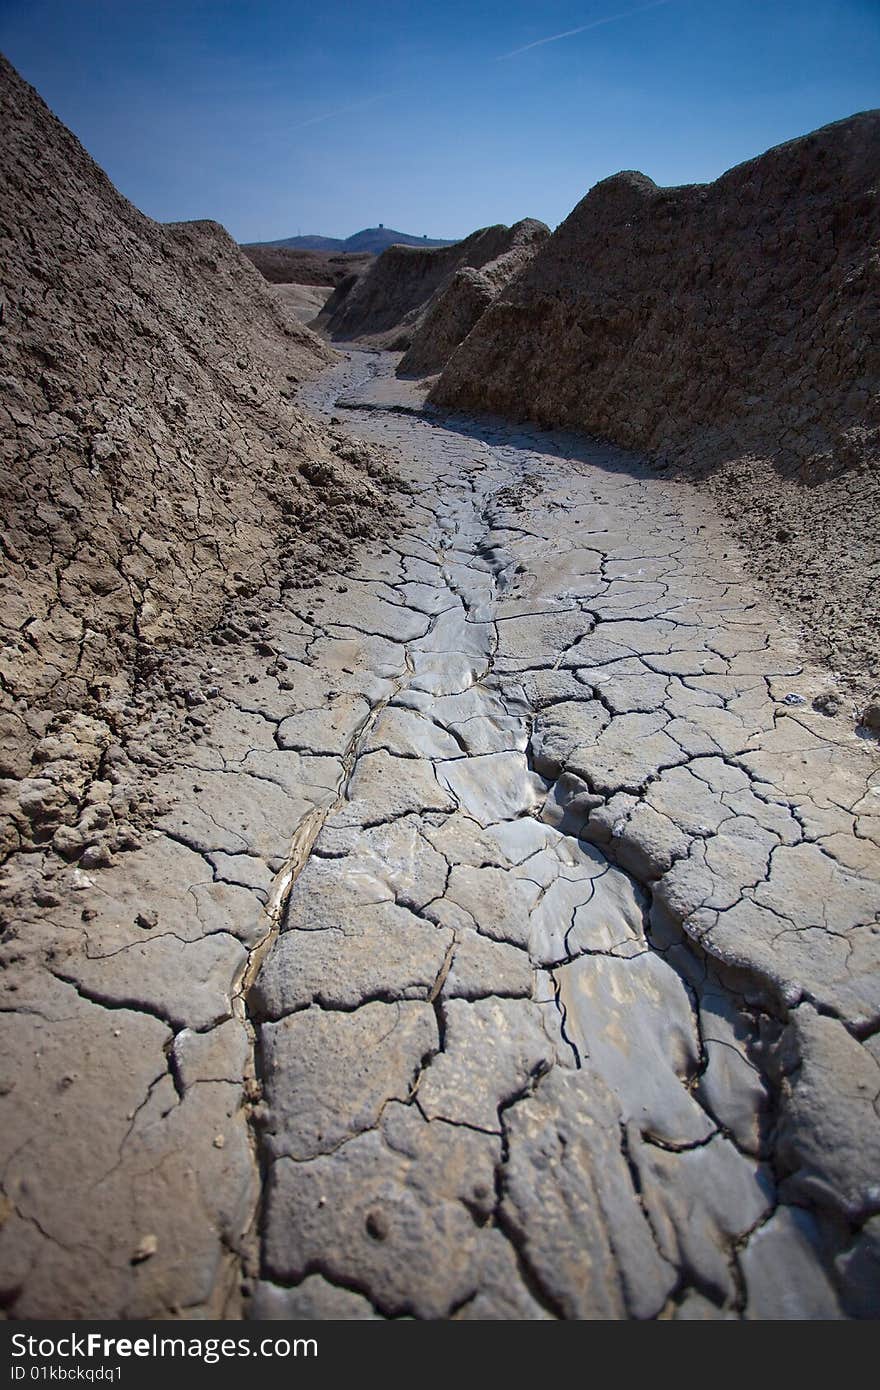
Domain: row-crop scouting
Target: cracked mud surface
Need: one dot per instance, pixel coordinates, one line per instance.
(508, 949)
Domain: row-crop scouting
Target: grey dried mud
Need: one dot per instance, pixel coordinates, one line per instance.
(508, 948)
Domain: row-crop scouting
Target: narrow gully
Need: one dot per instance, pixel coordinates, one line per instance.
(626, 1011)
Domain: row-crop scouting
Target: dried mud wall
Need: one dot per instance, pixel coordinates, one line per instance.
(386, 306)
(460, 303)
(732, 330)
(154, 469)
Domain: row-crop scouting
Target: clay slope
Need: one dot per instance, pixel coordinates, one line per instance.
(385, 308)
(303, 301)
(459, 304)
(730, 327)
(154, 469)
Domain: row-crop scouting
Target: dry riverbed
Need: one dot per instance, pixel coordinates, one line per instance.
(508, 947)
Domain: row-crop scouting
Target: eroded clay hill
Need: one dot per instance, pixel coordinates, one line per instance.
(154, 469)
(386, 308)
(501, 938)
(732, 329)
(459, 303)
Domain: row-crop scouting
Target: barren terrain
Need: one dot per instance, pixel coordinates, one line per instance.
(285, 265)
(537, 780)
(439, 880)
(730, 330)
(459, 302)
(387, 305)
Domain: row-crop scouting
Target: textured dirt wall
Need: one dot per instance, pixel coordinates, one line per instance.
(461, 302)
(154, 470)
(731, 329)
(386, 306)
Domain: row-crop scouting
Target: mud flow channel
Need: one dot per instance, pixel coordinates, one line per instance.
(506, 946)
(523, 1032)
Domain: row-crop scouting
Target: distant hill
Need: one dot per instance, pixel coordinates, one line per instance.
(373, 240)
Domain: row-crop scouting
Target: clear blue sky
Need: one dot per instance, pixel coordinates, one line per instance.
(236, 109)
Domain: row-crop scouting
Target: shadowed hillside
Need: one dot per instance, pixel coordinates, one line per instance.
(387, 304)
(732, 329)
(283, 265)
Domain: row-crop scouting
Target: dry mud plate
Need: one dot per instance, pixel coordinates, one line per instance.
(509, 950)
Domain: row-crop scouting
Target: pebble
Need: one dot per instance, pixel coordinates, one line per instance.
(145, 1249)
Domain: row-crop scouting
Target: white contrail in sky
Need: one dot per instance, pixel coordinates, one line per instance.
(340, 111)
(538, 43)
(582, 28)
